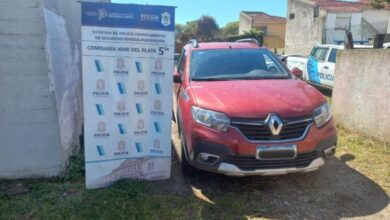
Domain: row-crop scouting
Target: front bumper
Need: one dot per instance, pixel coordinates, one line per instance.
(232, 170)
(231, 164)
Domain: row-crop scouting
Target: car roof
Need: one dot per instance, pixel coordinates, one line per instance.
(223, 45)
(340, 47)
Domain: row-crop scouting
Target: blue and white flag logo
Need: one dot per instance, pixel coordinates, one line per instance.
(99, 66)
(139, 67)
(122, 88)
(139, 108)
(157, 127)
(138, 146)
(157, 86)
(99, 109)
(122, 129)
(100, 150)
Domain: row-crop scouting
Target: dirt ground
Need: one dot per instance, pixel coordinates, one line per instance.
(336, 191)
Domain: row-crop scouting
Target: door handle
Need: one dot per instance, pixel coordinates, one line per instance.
(326, 67)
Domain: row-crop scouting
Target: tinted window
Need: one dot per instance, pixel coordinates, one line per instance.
(229, 64)
(319, 53)
(332, 56)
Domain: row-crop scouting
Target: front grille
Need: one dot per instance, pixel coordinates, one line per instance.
(259, 130)
(251, 163)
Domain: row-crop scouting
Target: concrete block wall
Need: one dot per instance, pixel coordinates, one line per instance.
(31, 103)
(29, 133)
(361, 94)
(304, 31)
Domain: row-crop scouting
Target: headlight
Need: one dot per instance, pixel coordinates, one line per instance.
(322, 115)
(212, 119)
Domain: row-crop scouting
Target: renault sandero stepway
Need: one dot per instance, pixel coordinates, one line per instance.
(241, 112)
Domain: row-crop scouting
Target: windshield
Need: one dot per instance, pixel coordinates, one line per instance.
(232, 64)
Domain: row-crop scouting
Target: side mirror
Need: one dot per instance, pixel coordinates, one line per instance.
(297, 72)
(176, 77)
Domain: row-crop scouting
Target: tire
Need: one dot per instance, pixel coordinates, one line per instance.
(186, 168)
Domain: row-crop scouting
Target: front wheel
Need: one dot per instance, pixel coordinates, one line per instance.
(186, 168)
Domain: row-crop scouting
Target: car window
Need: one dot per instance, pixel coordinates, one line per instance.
(332, 56)
(182, 61)
(230, 64)
(319, 53)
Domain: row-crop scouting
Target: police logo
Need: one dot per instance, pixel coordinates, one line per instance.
(165, 19)
(157, 105)
(141, 85)
(157, 65)
(121, 146)
(101, 127)
(140, 124)
(100, 85)
(120, 63)
(121, 106)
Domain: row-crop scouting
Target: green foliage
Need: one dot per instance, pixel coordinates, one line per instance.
(230, 29)
(206, 28)
(203, 29)
(379, 4)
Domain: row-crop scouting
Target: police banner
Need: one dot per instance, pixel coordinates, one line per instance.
(127, 56)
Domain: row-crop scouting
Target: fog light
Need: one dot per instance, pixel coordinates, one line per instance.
(207, 159)
(330, 151)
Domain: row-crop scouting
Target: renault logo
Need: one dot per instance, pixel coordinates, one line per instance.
(274, 123)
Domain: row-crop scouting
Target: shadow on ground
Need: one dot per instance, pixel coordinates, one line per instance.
(335, 191)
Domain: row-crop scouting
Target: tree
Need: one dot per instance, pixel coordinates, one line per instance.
(380, 4)
(206, 28)
(230, 29)
(203, 29)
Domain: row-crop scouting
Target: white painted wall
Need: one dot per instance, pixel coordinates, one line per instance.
(356, 19)
(374, 16)
(388, 26)
(330, 20)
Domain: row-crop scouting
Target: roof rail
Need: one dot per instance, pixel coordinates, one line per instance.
(194, 43)
(248, 40)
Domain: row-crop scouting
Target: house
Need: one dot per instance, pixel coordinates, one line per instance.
(273, 28)
(312, 22)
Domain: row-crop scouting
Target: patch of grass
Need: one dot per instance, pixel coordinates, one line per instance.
(366, 155)
(67, 198)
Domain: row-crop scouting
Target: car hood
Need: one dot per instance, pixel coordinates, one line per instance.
(258, 98)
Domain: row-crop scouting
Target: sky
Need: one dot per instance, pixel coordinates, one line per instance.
(224, 11)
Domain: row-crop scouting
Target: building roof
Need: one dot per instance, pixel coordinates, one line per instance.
(264, 18)
(343, 6)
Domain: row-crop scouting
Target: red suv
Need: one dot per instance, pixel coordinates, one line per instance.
(241, 112)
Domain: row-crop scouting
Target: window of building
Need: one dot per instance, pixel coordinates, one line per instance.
(316, 12)
(342, 22)
(264, 30)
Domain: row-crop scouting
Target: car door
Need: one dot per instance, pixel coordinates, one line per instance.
(315, 65)
(179, 70)
(327, 72)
